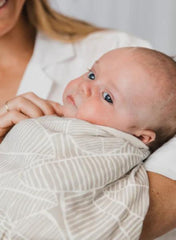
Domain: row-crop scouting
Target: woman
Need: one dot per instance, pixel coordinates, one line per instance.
(42, 48)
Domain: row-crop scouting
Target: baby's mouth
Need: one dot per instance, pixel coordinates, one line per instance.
(71, 99)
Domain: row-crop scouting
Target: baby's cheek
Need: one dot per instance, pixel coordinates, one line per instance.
(89, 114)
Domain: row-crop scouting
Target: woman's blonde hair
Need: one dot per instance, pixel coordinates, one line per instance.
(54, 24)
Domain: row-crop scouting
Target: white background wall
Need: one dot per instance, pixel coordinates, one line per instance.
(153, 20)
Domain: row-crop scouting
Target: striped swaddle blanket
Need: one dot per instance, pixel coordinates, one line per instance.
(69, 179)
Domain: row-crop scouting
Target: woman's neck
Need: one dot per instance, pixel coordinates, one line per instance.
(17, 45)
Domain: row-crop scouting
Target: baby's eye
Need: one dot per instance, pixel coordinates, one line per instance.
(107, 97)
(91, 75)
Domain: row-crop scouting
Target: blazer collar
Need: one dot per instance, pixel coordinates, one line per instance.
(48, 51)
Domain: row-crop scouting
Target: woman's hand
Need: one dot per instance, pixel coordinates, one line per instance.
(24, 106)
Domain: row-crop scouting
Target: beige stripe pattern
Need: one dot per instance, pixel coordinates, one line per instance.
(69, 179)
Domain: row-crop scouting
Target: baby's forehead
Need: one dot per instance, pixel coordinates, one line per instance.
(115, 57)
(156, 64)
(122, 59)
(128, 56)
(145, 55)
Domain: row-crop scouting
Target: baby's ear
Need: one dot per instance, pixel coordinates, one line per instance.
(146, 136)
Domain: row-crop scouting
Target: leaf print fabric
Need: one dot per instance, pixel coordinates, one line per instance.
(69, 179)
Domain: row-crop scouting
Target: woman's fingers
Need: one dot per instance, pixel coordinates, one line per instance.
(24, 106)
(27, 105)
(48, 107)
(7, 121)
(31, 105)
(11, 118)
(44, 105)
(58, 108)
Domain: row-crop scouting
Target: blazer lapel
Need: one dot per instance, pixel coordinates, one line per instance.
(46, 53)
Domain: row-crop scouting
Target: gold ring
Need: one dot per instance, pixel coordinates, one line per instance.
(6, 107)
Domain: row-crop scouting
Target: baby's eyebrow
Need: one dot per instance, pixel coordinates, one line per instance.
(96, 62)
(94, 65)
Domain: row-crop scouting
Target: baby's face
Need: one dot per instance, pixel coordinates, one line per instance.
(112, 93)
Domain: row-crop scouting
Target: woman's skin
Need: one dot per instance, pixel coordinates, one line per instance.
(17, 39)
(161, 216)
(16, 48)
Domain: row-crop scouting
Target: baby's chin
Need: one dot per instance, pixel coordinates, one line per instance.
(68, 112)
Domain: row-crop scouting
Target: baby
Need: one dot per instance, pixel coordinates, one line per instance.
(129, 89)
(79, 177)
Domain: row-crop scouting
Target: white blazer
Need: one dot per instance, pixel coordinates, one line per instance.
(55, 63)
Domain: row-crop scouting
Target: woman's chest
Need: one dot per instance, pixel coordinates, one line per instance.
(9, 83)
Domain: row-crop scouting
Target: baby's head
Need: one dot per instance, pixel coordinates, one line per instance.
(130, 89)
